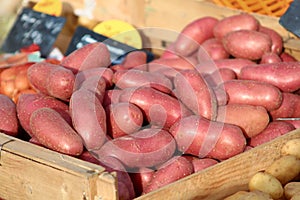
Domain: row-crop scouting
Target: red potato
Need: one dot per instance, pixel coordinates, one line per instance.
(123, 119)
(251, 119)
(200, 163)
(294, 122)
(171, 171)
(9, 123)
(247, 44)
(134, 59)
(169, 72)
(290, 107)
(215, 49)
(272, 131)
(53, 132)
(105, 73)
(284, 75)
(270, 57)
(51, 79)
(235, 64)
(28, 103)
(141, 179)
(96, 85)
(219, 76)
(243, 21)
(159, 108)
(137, 78)
(88, 118)
(256, 93)
(201, 137)
(286, 57)
(193, 34)
(111, 96)
(148, 147)
(277, 42)
(179, 63)
(192, 89)
(169, 52)
(92, 55)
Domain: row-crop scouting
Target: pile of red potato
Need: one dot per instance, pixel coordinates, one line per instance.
(157, 122)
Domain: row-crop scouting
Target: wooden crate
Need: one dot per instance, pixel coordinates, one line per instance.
(32, 172)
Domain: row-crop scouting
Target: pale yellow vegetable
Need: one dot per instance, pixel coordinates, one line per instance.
(291, 147)
(296, 196)
(285, 168)
(291, 189)
(267, 183)
(254, 195)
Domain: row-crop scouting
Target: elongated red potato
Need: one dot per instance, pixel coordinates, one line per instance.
(53, 132)
(96, 85)
(235, 64)
(272, 131)
(243, 21)
(171, 171)
(179, 63)
(88, 118)
(290, 107)
(251, 119)
(247, 44)
(284, 75)
(9, 123)
(277, 41)
(51, 79)
(215, 49)
(123, 119)
(252, 92)
(137, 78)
(28, 103)
(200, 163)
(219, 76)
(91, 55)
(134, 59)
(141, 179)
(201, 137)
(146, 148)
(192, 89)
(159, 108)
(193, 34)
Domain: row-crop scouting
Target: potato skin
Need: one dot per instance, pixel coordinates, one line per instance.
(88, 118)
(171, 171)
(290, 107)
(291, 147)
(243, 21)
(200, 163)
(255, 118)
(247, 44)
(192, 89)
(252, 92)
(28, 103)
(9, 123)
(53, 132)
(283, 75)
(277, 42)
(215, 49)
(191, 134)
(123, 118)
(145, 148)
(272, 131)
(270, 57)
(291, 189)
(235, 64)
(193, 34)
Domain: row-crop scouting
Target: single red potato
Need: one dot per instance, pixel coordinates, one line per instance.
(193, 34)
(270, 57)
(123, 119)
(134, 59)
(272, 131)
(200, 163)
(9, 123)
(88, 118)
(171, 171)
(254, 118)
(243, 21)
(284, 75)
(219, 76)
(92, 55)
(247, 44)
(28, 103)
(141, 179)
(192, 89)
(53, 132)
(201, 137)
(252, 92)
(235, 64)
(146, 148)
(159, 108)
(215, 49)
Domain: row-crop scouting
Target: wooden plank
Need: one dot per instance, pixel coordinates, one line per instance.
(225, 178)
(33, 172)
